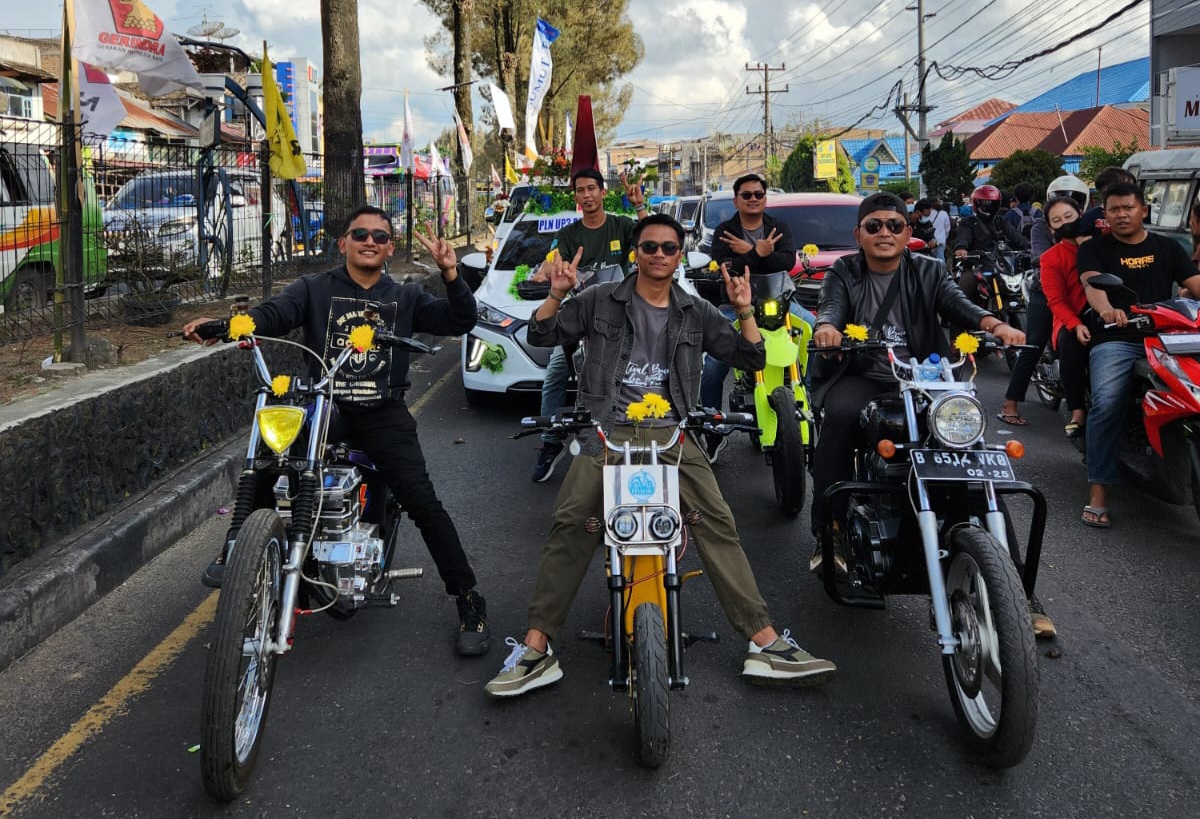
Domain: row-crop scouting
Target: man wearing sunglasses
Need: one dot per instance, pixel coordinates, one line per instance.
(899, 297)
(371, 401)
(751, 241)
(645, 334)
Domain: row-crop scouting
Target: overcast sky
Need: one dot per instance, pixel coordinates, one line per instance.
(841, 56)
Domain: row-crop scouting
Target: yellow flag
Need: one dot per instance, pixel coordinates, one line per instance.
(509, 173)
(287, 162)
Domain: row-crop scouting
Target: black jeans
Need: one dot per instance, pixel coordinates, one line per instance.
(388, 435)
(842, 433)
(1039, 322)
(1073, 368)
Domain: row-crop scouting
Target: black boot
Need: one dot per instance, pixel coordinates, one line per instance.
(474, 637)
(214, 575)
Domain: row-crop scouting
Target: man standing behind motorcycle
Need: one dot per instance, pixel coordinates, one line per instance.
(751, 240)
(1150, 265)
(372, 409)
(898, 296)
(629, 327)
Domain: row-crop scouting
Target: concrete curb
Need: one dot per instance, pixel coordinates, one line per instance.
(45, 593)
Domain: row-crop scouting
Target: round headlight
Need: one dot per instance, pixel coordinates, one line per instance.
(956, 420)
(624, 525)
(664, 524)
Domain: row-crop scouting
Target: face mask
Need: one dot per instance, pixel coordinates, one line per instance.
(1070, 230)
(927, 219)
(910, 207)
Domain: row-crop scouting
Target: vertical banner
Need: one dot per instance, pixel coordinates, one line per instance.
(584, 151)
(436, 168)
(503, 109)
(825, 159)
(127, 36)
(497, 185)
(464, 144)
(509, 173)
(99, 104)
(406, 139)
(287, 162)
(567, 132)
(540, 69)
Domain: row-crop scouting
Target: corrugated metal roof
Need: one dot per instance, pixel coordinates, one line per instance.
(23, 71)
(987, 111)
(1045, 131)
(137, 118)
(1119, 84)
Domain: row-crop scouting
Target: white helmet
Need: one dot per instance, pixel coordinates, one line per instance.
(1069, 185)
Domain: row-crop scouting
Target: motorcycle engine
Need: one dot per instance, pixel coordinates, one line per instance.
(867, 536)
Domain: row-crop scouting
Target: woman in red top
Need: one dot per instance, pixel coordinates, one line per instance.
(1064, 293)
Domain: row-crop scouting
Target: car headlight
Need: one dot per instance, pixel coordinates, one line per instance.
(490, 315)
(177, 227)
(956, 420)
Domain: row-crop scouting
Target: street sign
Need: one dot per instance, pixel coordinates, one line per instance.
(871, 164)
(870, 181)
(1187, 99)
(825, 159)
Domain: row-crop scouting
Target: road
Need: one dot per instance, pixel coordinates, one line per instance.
(377, 716)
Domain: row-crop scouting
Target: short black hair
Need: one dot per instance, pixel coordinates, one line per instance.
(367, 210)
(1123, 189)
(656, 219)
(1024, 192)
(587, 173)
(747, 178)
(923, 204)
(1111, 175)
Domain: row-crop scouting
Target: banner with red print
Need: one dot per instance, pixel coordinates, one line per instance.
(125, 35)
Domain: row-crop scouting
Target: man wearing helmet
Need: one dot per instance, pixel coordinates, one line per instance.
(979, 232)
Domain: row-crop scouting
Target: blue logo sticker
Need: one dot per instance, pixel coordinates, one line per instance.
(642, 485)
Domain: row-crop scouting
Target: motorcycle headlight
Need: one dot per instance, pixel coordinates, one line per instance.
(956, 420)
(664, 524)
(623, 524)
(177, 227)
(279, 426)
(770, 308)
(490, 315)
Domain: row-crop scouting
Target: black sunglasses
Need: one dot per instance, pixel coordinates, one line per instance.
(894, 226)
(381, 237)
(650, 248)
(748, 195)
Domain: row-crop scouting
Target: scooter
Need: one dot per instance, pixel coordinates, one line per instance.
(996, 280)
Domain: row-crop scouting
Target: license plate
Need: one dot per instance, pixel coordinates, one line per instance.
(973, 465)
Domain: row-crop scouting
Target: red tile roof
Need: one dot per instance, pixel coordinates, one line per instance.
(987, 111)
(1045, 130)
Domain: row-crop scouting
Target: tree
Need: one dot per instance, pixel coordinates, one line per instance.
(1036, 167)
(948, 170)
(797, 173)
(344, 188)
(901, 186)
(1096, 159)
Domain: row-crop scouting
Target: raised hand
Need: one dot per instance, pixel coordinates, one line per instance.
(737, 288)
(440, 250)
(563, 275)
(765, 246)
(633, 192)
(736, 243)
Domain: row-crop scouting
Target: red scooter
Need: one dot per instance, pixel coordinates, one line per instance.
(1161, 455)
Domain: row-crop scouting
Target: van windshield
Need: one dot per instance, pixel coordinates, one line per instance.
(717, 211)
(156, 192)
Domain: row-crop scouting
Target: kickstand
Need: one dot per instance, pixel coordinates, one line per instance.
(707, 637)
(598, 637)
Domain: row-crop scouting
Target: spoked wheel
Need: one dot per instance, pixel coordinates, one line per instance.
(241, 665)
(993, 674)
(651, 713)
(787, 458)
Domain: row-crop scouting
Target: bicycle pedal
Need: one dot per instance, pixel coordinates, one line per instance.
(593, 637)
(404, 574)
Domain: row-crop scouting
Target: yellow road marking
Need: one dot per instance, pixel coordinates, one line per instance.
(112, 704)
(133, 684)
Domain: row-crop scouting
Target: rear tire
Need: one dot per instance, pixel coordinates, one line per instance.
(241, 667)
(787, 457)
(651, 709)
(29, 291)
(993, 674)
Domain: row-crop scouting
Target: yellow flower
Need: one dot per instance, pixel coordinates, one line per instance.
(280, 385)
(240, 325)
(856, 332)
(713, 267)
(656, 405)
(362, 337)
(810, 250)
(966, 344)
(636, 412)
(632, 256)
(550, 256)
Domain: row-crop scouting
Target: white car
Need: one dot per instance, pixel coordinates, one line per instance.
(497, 357)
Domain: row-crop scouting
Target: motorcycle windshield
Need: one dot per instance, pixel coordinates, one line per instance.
(764, 286)
(600, 275)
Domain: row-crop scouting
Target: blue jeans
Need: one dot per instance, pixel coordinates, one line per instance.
(554, 389)
(1112, 371)
(712, 378)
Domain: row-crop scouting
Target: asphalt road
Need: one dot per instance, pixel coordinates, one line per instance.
(377, 716)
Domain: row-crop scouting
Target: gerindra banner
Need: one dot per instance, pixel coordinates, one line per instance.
(125, 35)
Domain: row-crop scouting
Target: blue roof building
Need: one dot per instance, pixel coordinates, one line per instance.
(890, 153)
(1121, 84)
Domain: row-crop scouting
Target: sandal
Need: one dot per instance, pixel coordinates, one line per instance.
(1043, 626)
(1073, 429)
(1096, 516)
(1012, 418)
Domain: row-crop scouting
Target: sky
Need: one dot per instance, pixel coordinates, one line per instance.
(841, 57)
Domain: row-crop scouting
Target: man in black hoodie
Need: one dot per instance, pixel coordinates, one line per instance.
(371, 401)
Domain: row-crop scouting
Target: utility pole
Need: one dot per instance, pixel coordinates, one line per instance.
(766, 90)
(921, 108)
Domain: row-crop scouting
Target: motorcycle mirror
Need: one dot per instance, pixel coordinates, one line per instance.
(1106, 282)
(915, 244)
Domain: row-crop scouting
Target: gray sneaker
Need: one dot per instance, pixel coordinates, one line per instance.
(524, 670)
(785, 663)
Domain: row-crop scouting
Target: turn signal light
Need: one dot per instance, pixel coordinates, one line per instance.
(1015, 449)
(886, 449)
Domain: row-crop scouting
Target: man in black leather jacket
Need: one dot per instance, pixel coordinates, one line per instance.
(855, 291)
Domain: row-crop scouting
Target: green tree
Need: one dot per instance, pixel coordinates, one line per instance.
(797, 172)
(948, 169)
(901, 186)
(1038, 168)
(1096, 159)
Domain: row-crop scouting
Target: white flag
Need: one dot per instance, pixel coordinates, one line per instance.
(435, 161)
(567, 143)
(125, 35)
(468, 156)
(406, 139)
(503, 108)
(497, 185)
(540, 69)
(100, 107)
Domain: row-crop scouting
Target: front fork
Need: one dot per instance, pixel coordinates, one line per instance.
(636, 583)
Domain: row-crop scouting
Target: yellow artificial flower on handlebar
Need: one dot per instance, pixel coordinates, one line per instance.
(362, 338)
(856, 332)
(280, 385)
(966, 344)
(240, 326)
(652, 405)
(810, 250)
(713, 267)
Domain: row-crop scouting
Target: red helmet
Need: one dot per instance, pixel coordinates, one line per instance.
(985, 201)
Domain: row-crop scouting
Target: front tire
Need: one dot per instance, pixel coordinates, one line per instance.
(651, 710)
(993, 674)
(787, 458)
(241, 665)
